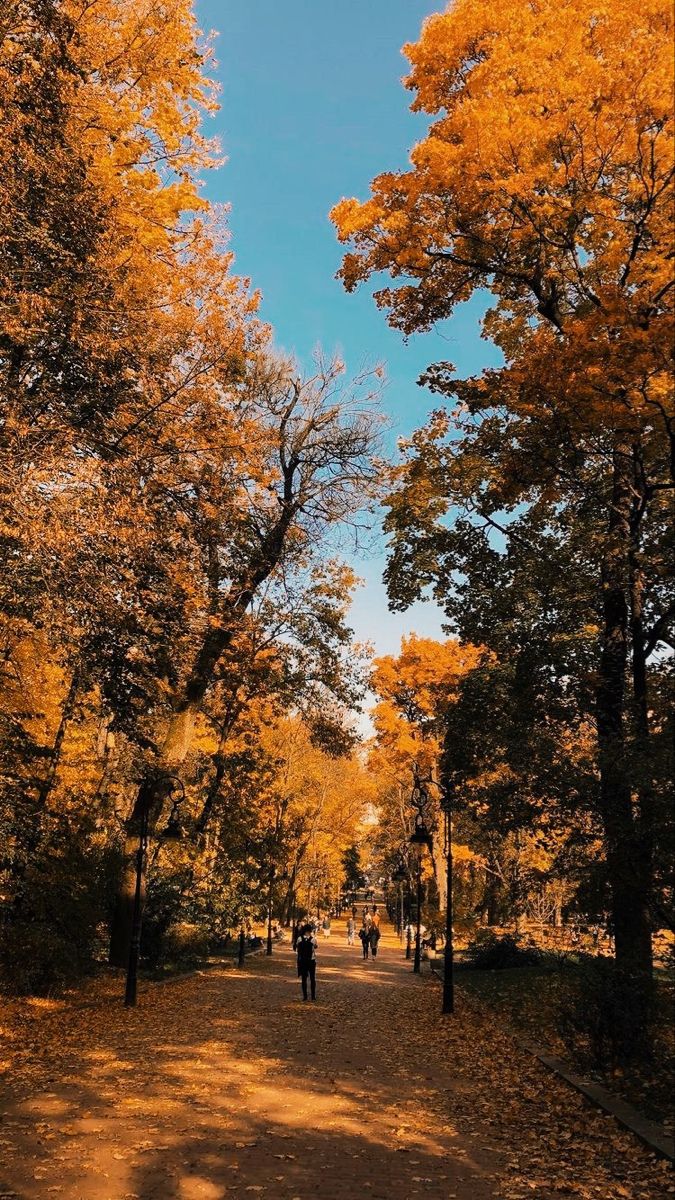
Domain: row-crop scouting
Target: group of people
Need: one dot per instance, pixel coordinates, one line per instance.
(369, 933)
(307, 943)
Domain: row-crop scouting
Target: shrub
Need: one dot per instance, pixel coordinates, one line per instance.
(494, 952)
(163, 909)
(52, 932)
(184, 943)
(604, 1015)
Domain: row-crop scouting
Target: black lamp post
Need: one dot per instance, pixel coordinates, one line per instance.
(419, 839)
(448, 982)
(166, 785)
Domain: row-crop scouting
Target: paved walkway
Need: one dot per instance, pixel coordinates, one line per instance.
(228, 1085)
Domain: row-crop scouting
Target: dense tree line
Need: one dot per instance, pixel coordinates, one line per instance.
(537, 506)
(168, 482)
(171, 602)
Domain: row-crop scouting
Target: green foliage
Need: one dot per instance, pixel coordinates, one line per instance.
(354, 879)
(55, 929)
(185, 944)
(489, 951)
(601, 1014)
(163, 909)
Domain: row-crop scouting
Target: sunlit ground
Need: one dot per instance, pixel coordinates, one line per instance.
(227, 1084)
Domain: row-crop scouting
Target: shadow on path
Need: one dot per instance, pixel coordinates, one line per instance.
(228, 1084)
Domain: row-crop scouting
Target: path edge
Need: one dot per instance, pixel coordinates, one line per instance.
(648, 1132)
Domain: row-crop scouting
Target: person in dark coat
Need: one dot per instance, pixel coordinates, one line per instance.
(306, 952)
(374, 937)
(364, 934)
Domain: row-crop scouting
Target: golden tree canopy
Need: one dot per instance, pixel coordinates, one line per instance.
(546, 171)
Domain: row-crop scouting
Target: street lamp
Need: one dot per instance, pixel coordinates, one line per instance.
(418, 840)
(154, 786)
(448, 983)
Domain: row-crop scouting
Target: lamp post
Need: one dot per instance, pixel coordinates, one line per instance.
(419, 839)
(448, 982)
(147, 796)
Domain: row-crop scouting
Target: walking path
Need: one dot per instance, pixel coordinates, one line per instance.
(228, 1085)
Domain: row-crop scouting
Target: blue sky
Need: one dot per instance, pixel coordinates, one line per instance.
(312, 109)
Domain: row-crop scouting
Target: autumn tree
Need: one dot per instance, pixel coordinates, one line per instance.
(546, 179)
(118, 304)
(163, 469)
(295, 651)
(261, 512)
(316, 803)
(353, 877)
(416, 690)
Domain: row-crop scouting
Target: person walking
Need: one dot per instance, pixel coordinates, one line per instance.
(326, 925)
(364, 934)
(374, 938)
(306, 951)
(375, 918)
(350, 931)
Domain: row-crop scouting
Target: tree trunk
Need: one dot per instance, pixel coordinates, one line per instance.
(641, 742)
(213, 791)
(630, 895)
(492, 901)
(152, 794)
(440, 864)
(517, 890)
(29, 835)
(188, 701)
(270, 907)
(120, 930)
(219, 760)
(176, 745)
(67, 711)
(289, 901)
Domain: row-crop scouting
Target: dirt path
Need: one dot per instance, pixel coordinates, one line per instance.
(227, 1084)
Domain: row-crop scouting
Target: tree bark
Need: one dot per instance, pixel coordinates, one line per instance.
(67, 711)
(630, 898)
(440, 865)
(120, 931)
(187, 704)
(288, 903)
(30, 835)
(492, 905)
(644, 780)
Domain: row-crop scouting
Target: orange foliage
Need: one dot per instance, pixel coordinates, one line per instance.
(413, 690)
(547, 178)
